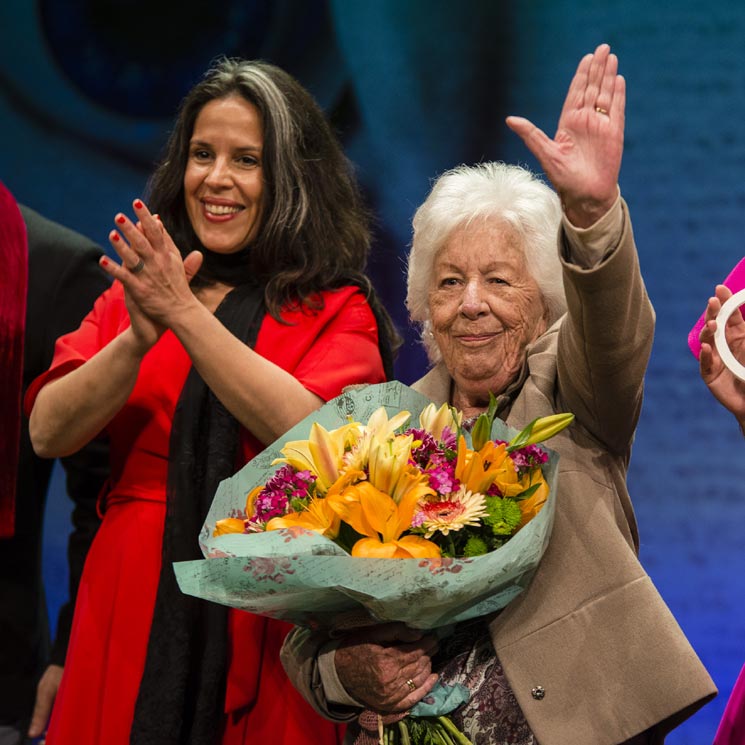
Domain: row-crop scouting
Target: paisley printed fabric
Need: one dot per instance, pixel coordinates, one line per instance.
(492, 715)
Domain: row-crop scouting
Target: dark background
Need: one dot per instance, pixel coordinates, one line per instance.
(87, 94)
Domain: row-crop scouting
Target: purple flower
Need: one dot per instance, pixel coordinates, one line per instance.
(442, 478)
(529, 457)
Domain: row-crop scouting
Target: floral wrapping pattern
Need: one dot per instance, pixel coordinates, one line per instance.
(492, 715)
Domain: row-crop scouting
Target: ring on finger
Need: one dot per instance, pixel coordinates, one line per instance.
(138, 267)
(411, 684)
(601, 110)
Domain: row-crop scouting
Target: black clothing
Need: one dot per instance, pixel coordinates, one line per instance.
(64, 280)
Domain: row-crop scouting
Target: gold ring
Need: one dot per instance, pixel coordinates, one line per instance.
(138, 267)
(411, 684)
(601, 110)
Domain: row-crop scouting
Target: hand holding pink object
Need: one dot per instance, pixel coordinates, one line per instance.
(735, 281)
(722, 351)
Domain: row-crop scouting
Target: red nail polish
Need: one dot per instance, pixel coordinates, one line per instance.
(115, 237)
(138, 204)
(121, 219)
(104, 261)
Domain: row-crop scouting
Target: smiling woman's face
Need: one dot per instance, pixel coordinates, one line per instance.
(224, 182)
(485, 308)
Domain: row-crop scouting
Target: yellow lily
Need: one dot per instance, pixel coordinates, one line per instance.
(379, 427)
(435, 420)
(322, 453)
(318, 516)
(375, 515)
(229, 525)
(388, 459)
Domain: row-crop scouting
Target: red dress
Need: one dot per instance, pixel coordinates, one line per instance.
(325, 351)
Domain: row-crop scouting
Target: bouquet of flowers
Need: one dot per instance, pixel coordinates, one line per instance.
(318, 523)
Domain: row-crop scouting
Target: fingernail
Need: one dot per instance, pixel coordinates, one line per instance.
(121, 219)
(115, 237)
(138, 204)
(157, 216)
(104, 261)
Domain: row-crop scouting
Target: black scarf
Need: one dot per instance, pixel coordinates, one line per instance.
(182, 692)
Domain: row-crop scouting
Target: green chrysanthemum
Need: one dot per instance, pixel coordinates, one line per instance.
(503, 516)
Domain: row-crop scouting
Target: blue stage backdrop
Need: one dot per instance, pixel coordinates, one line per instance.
(87, 94)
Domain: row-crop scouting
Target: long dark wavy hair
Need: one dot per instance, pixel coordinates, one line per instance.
(314, 233)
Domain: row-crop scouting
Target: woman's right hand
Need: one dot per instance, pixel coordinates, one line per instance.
(583, 159)
(728, 389)
(145, 331)
(388, 668)
(155, 277)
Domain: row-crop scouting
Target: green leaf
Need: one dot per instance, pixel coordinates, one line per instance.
(481, 431)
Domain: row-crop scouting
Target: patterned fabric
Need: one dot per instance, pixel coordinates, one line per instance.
(492, 715)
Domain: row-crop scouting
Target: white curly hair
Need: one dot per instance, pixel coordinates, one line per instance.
(511, 194)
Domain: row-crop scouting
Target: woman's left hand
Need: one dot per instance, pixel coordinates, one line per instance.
(388, 667)
(584, 158)
(153, 273)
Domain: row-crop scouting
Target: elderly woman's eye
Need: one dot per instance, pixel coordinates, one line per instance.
(248, 160)
(200, 154)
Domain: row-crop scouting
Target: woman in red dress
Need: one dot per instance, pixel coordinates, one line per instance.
(238, 309)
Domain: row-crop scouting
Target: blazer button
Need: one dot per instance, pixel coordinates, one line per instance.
(538, 693)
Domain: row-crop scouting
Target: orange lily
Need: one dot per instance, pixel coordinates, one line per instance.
(229, 525)
(377, 516)
(251, 500)
(531, 506)
(477, 470)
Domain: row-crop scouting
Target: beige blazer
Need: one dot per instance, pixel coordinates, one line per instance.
(592, 652)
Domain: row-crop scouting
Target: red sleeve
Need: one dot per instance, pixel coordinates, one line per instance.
(108, 318)
(328, 350)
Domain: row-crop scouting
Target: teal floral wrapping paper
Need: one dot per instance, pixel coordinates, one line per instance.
(299, 576)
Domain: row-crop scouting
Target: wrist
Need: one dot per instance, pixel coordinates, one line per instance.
(585, 212)
(186, 316)
(134, 345)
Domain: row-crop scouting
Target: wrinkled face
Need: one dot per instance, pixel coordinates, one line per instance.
(485, 308)
(223, 181)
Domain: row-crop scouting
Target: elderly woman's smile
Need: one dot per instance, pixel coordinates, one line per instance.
(485, 308)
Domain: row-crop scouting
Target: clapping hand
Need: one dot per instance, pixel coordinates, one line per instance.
(584, 158)
(155, 277)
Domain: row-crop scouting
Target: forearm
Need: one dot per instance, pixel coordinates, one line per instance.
(265, 399)
(605, 341)
(72, 410)
(300, 657)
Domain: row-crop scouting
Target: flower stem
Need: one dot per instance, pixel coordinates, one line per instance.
(403, 730)
(457, 735)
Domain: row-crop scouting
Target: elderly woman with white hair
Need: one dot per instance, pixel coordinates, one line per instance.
(588, 654)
